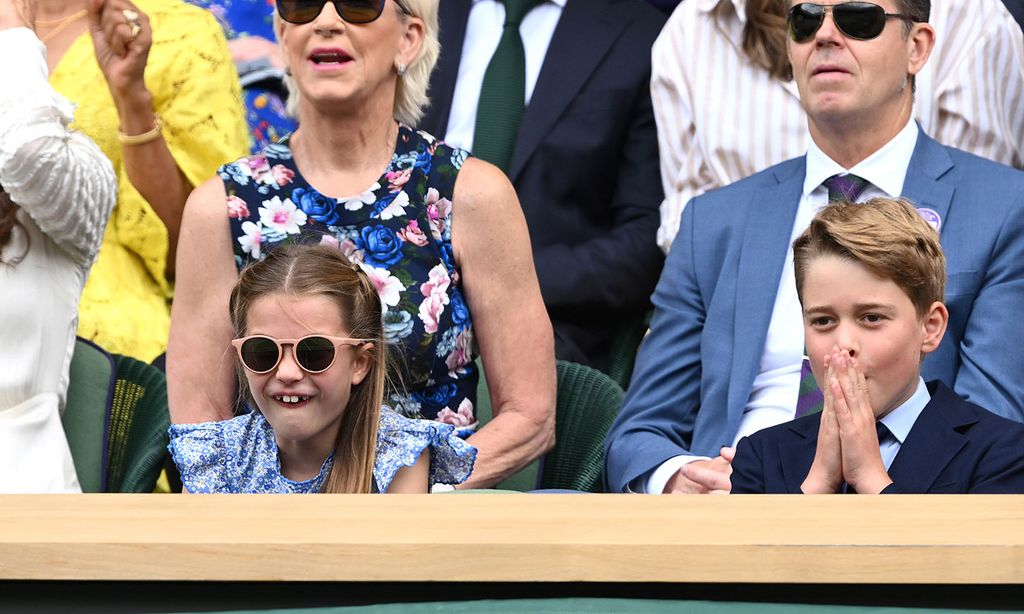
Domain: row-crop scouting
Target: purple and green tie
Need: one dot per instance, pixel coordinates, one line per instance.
(810, 398)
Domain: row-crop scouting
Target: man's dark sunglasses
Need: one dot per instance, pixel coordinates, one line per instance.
(860, 20)
(352, 11)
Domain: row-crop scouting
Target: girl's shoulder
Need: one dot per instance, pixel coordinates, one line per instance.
(214, 457)
(401, 441)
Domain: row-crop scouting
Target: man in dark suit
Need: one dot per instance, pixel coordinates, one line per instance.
(870, 278)
(584, 156)
(724, 355)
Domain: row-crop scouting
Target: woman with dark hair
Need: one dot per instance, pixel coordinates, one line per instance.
(56, 191)
(441, 234)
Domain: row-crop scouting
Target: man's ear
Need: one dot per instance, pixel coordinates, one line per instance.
(361, 363)
(920, 43)
(934, 324)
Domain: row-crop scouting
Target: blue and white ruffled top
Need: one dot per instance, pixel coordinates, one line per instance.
(240, 455)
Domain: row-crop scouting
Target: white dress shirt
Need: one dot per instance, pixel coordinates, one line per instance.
(483, 32)
(774, 393)
(721, 118)
(64, 188)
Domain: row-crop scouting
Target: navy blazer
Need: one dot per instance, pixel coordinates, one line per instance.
(714, 302)
(953, 447)
(584, 164)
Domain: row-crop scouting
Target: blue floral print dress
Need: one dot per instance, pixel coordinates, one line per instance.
(240, 455)
(399, 229)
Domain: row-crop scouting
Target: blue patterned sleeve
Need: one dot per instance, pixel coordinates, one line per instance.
(206, 453)
(401, 441)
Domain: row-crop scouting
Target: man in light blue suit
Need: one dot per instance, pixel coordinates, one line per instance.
(725, 351)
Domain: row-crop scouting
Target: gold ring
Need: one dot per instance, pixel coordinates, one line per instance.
(132, 17)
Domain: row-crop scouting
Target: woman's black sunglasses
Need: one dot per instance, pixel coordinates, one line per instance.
(860, 20)
(352, 11)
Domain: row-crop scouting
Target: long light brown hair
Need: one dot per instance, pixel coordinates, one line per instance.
(323, 271)
(764, 36)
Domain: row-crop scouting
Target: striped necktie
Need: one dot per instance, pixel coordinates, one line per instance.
(810, 399)
(503, 93)
(845, 187)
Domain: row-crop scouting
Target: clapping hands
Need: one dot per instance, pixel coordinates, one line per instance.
(847, 448)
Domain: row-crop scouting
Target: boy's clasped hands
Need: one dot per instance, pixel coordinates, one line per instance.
(848, 449)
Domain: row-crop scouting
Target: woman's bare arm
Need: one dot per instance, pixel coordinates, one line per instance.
(200, 368)
(492, 247)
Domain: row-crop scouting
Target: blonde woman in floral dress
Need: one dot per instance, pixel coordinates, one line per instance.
(441, 233)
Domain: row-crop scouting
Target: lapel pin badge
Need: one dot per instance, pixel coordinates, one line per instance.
(932, 217)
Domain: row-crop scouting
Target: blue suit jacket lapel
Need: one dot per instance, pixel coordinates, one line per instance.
(932, 442)
(922, 185)
(764, 248)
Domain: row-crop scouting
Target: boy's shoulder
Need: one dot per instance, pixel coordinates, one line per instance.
(970, 419)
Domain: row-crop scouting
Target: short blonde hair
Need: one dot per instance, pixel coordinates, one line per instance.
(411, 95)
(887, 237)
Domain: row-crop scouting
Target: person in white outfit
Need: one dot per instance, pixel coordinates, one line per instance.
(57, 190)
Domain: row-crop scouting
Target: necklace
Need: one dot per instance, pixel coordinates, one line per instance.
(60, 24)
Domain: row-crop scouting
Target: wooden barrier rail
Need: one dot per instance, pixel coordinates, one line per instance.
(925, 539)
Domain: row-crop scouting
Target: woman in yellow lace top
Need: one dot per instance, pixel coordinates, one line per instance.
(164, 133)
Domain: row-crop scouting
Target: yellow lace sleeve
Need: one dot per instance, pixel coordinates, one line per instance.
(189, 72)
(196, 92)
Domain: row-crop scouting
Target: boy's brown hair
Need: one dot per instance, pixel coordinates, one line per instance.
(887, 237)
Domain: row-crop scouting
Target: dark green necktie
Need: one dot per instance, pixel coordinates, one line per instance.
(503, 92)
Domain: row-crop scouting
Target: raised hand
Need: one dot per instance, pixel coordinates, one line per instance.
(17, 14)
(826, 472)
(863, 468)
(121, 37)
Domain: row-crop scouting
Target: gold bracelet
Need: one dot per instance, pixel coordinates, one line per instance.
(145, 137)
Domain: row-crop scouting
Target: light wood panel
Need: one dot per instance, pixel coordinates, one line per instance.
(596, 538)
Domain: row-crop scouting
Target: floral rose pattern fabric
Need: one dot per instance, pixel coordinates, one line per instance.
(399, 230)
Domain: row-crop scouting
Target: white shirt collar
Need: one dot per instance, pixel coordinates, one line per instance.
(886, 169)
(900, 420)
(738, 6)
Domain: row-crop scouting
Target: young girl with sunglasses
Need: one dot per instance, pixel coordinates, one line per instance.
(312, 353)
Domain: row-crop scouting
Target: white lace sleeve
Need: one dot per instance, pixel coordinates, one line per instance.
(57, 175)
